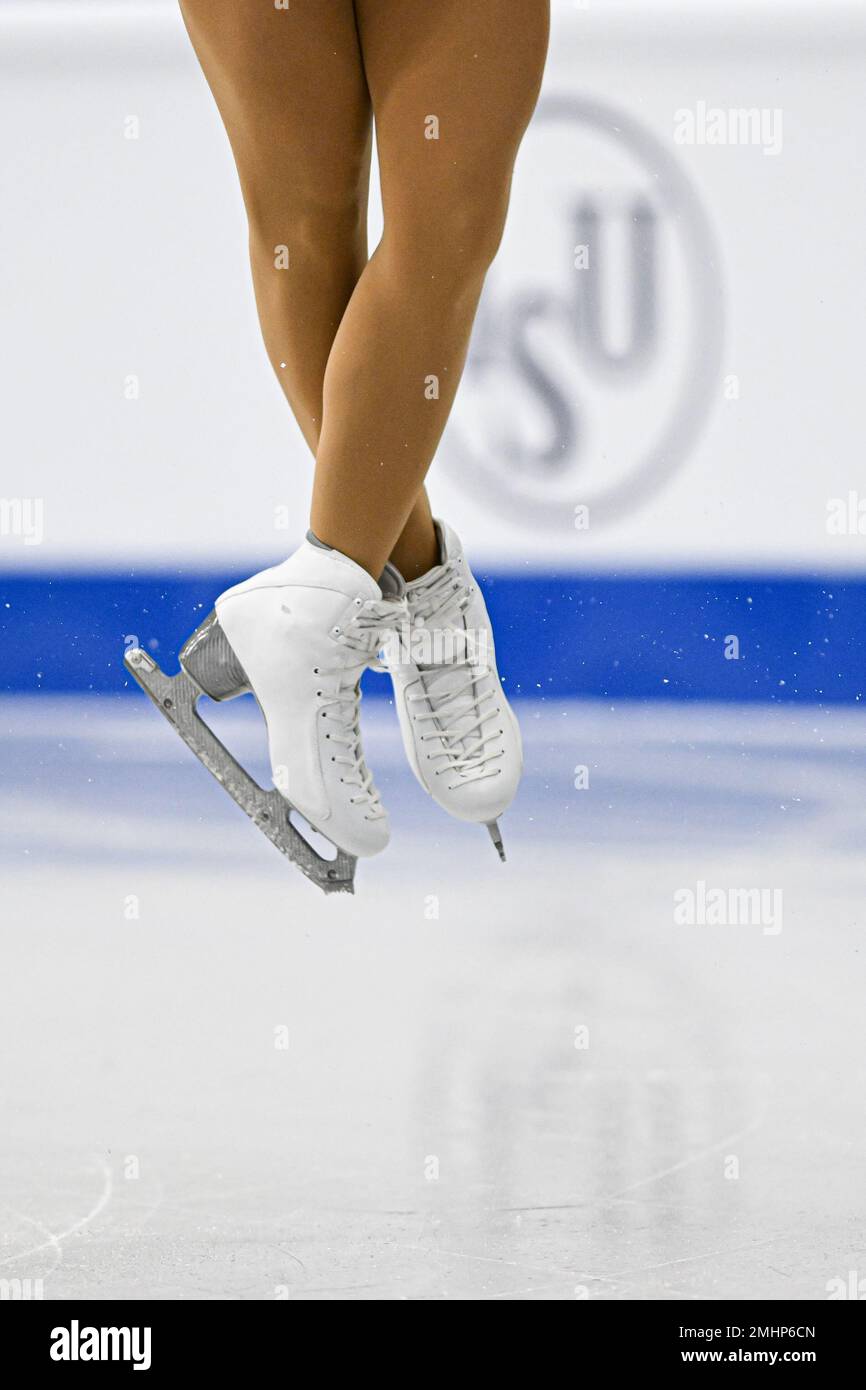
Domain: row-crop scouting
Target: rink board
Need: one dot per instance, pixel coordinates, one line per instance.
(682, 637)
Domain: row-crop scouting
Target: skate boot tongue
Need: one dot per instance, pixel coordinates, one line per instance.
(362, 628)
(358, 638)
(453, 669)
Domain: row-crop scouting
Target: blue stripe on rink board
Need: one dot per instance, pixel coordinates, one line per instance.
(636, 636)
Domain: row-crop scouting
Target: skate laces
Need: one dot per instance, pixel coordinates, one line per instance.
(458, 688)
(360, 635)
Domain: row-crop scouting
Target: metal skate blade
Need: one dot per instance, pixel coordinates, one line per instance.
(496, 837)
(176, 697)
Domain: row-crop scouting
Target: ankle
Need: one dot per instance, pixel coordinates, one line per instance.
(416, 555)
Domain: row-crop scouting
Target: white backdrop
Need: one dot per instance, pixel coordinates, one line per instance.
(704, 407)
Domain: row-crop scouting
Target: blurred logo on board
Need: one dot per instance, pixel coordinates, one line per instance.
(597, 350)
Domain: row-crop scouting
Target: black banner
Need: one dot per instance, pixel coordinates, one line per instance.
(156, 1339)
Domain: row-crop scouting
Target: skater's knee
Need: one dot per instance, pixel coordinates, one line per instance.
(447, 242)
(303, 220)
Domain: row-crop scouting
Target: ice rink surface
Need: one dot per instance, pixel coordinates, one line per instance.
(469, 1081)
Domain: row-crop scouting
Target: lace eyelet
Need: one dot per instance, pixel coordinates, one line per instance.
(315, 670)
(318, 694)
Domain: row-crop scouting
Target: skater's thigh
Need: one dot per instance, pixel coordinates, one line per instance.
(476, 68)
(290, 87)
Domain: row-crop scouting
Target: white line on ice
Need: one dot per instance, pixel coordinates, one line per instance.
(55, 1242)
(724, 1142)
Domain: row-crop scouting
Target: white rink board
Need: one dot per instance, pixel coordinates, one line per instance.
(127, 258)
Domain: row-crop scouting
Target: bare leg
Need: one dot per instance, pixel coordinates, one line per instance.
(290, 87)
(292, 90)
(468, 76)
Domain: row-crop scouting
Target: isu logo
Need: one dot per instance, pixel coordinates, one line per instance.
(597, 349)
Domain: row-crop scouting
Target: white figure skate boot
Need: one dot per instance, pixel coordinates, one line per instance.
(461, 736)
(299, 637)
